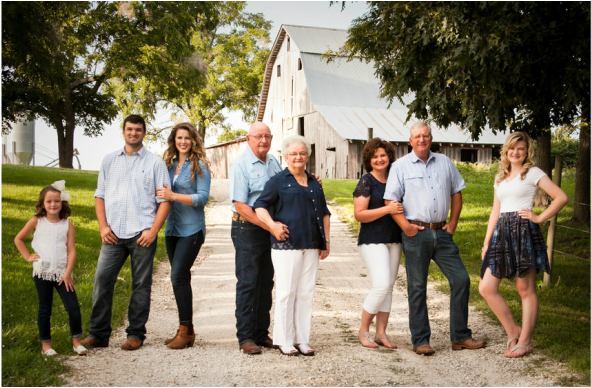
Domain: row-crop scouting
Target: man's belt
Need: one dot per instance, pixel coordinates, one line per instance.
(430, 225)
(239, 218)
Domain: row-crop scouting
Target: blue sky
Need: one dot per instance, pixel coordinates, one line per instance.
(306, 13)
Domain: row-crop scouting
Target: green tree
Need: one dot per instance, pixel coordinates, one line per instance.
(233, 55)
(60, 58)
(522, 65)
(229, 134)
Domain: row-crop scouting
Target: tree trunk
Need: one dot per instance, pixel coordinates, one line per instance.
(544, 162)
(66, 135)
(201, 129)
(581, 201)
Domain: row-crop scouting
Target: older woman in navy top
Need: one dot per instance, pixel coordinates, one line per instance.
(299, 237)
(185, 227)
(380, 243)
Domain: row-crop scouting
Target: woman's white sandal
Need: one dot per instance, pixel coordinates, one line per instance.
(289, 350)
(49, 353)
(380, 337)
(305, 349)
(81, 350)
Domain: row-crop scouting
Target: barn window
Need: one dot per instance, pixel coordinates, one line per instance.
(469, 155)
(278, 70)
(301, 125)
(288, 43)
(299, 63)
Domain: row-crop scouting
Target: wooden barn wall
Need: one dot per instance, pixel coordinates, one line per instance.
(454, 153)
(485, 155)
(221, 157)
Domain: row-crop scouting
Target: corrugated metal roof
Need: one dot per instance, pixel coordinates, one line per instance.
(352, 122)
(316, 40)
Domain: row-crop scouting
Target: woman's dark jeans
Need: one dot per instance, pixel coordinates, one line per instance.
(182, 252)
(45, 293)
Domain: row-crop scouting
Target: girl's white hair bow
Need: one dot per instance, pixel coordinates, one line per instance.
(61, 187)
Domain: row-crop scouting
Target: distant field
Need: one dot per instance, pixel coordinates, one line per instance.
(22, 363)
(562, 331)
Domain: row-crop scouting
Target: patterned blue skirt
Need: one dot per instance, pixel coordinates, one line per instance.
(516, 248)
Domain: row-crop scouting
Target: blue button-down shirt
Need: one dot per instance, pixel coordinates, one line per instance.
(128, 186)
(248, 176)
(184, 220)
(296, 206)
(425, 189)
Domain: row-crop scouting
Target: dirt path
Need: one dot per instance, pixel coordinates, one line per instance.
(340, 360)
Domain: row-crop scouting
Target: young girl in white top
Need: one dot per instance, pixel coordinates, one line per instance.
(514, 245)
(53, 262)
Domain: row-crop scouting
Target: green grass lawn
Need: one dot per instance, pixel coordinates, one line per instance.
(562, 331)
(22, 363)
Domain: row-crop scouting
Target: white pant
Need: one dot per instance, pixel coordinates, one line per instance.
(382, 261)
(295, 281)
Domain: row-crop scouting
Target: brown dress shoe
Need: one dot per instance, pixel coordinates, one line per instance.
(132, 344)
(425, 349)
(470, 343)
(90, 342)
(250, 348)
(185, 338)
(267, 343)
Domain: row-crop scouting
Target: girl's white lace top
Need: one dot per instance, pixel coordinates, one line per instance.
(50, 241)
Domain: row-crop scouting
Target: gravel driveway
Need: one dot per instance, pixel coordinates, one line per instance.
(340, 360)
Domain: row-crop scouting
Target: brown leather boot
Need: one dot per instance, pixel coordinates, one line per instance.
(169, 340)
(185, 337)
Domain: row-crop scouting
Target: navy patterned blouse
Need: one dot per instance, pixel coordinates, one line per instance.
(384, 230)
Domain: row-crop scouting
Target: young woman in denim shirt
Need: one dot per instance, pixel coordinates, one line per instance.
(185, 226)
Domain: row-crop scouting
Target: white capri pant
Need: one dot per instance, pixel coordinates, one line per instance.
(382, 261)
(295, 281)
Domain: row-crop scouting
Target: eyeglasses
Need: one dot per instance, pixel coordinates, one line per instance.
(260, 137)
(301, 154)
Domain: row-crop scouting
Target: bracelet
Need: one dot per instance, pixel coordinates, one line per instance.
(484, 248)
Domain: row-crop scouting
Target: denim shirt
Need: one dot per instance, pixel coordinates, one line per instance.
(184, 220)
(296, 209)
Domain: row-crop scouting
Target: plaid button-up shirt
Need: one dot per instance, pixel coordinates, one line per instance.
(128, 186)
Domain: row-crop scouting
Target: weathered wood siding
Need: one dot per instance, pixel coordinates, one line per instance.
(485, 155)
(221, 157)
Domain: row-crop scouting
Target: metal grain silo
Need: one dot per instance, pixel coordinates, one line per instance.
(18, 147)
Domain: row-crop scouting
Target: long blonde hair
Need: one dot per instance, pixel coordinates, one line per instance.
(197, 150)
(505, 165)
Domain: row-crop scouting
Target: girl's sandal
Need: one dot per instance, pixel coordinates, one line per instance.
(528, 349)
(510, 341)
(49, 353)
(289, 350)
(81, 350)
(378, 340)
(367, 336)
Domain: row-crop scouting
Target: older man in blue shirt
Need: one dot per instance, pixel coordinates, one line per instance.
(249, 173)
(129, 217)
(425, 183)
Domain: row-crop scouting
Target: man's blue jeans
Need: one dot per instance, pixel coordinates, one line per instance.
(110, 262)
(436, 244)
(254, 271)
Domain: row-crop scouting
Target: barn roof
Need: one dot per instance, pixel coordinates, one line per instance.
(346, 93)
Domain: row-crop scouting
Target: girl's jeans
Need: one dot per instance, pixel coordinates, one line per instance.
(45, 293)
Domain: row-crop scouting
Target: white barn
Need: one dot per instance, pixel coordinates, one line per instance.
(333, 105)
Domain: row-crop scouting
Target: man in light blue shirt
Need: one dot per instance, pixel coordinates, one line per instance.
(129, 217)
(249, 173)
(425, 183)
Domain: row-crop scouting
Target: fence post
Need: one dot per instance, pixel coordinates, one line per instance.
(552, 228)
(369, 134)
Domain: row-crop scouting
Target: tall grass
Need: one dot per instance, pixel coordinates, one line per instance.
(562, 331)
(22, 362)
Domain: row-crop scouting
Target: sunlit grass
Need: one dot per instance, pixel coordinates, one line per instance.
(562, 331)
(22, 363)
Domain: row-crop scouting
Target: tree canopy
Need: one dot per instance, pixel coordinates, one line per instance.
(519, 64)
(233, 54)
(61, 61)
